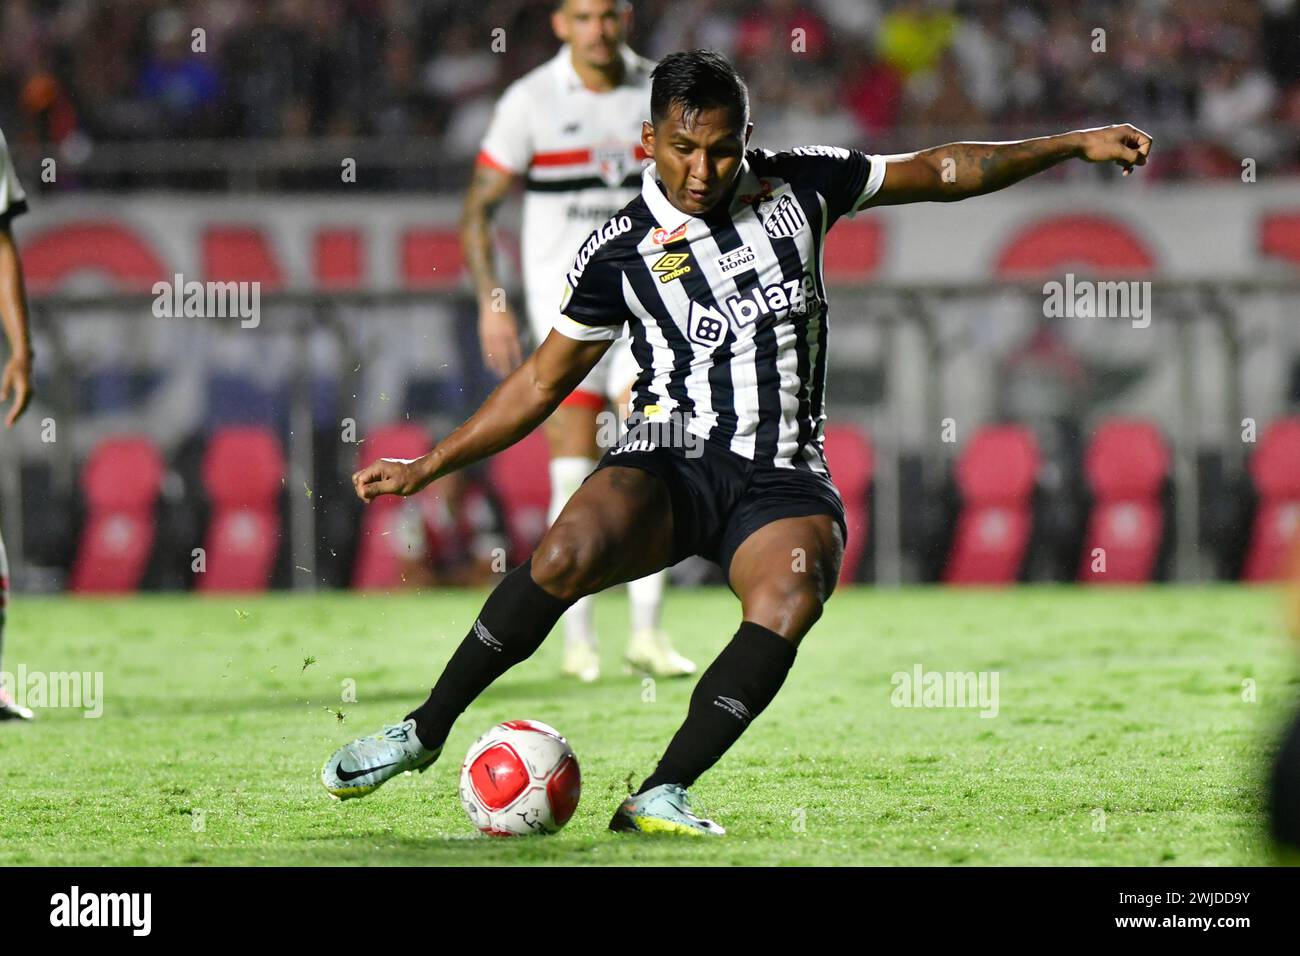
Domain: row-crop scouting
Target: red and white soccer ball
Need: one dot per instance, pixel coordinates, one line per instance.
(520, 778)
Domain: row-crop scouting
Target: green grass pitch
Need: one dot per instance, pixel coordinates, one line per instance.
(1124, 735)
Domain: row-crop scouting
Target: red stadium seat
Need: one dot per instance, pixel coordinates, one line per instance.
(121, 482)
(243, 474)
(1279, 236)
(1127, 465)
(377, 564)
(1275, 469)
(852, 464)
(522, 478)
(996, 476)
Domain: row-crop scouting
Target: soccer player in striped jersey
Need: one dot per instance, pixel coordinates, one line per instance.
(716, 267)
(571, 128)
(16, 377)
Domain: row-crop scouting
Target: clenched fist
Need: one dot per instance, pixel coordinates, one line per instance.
(388, 476)
(1123, 144)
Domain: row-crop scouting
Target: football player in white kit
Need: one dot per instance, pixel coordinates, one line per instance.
(16, 373)
(571, 128)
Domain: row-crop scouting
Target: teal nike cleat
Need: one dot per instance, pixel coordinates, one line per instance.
(662, 809)
(364, 765)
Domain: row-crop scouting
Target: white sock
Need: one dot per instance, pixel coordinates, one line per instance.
(567, 475)
(646, 596)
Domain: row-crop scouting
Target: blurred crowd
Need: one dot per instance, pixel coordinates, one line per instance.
(1220, 78)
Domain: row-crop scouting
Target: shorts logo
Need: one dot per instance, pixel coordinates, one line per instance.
(640, 444)
(672, 265)
(734, 707)
(784, 219)
(706, 326)
(736, 259)
(663, 236)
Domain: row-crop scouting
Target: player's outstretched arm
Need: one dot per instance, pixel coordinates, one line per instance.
(16, 377)
(517, 406)
(960, 170)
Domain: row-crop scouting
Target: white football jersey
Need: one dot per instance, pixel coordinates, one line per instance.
(12, 198)
(580, 154)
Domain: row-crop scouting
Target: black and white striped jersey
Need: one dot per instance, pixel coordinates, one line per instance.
(727, 311)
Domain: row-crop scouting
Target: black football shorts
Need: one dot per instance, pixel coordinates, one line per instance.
(720, 498)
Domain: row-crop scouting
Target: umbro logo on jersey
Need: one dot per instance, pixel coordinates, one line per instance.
(672, 265)
(486, 637)
(735, 259)
(734, 707)
(784, 219)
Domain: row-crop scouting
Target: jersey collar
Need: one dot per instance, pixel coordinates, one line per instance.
(671, 218)
(568, 76)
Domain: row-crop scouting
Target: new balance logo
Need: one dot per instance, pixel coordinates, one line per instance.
(734, 707)
(785, 219)
(486, 637)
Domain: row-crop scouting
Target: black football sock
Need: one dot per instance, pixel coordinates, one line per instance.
(513, 623)
(735, 689)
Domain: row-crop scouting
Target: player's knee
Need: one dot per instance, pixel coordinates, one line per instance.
(570, 562)
(789, 608)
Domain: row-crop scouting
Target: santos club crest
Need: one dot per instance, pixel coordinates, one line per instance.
(784, 219)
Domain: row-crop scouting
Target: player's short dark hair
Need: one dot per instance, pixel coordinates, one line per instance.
(697, 80)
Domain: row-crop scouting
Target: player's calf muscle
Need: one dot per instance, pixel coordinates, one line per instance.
(785, 573)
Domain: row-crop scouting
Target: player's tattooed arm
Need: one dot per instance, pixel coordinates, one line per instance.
(16, 370)
(960, 170)
(518, 405)
(498, 330)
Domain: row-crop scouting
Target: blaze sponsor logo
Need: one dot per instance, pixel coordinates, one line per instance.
(795, 297)
(735, 259)
(610, 230)
(784, 219)
(672, 265)
(664, 236)
(706, 325)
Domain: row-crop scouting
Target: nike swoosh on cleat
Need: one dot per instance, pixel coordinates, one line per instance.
(346, 775)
